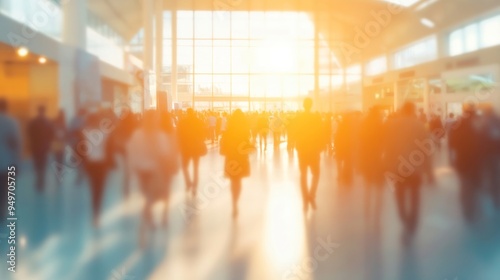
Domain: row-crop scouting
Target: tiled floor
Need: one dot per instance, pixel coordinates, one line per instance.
(271, 240)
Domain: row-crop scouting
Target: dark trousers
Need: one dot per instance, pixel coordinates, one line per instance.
(469, 194)
(3, 195)
(312, 162)
(492, 170)
(96, 172)
(408, 201)
(40, 167)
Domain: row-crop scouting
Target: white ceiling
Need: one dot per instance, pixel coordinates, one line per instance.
(337, 19)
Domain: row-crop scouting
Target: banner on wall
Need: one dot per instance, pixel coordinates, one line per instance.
(88, 87)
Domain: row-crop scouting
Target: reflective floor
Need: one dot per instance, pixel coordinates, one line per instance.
(271, 240)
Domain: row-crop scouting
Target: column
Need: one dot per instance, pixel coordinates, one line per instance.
(147, 14)
(173, 75)
(316, 98)
(159, 50)
(74, 37)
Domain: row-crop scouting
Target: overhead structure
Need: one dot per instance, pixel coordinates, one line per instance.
(383, 24)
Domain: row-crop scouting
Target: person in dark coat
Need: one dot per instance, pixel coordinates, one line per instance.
(492, 154)
(191, 134)
(408, 150)
(236, 147)
(125, 126)
(40, 135)
(98, 159)
(310, 142)
(465, 142)
(59, 144)
(371, 149)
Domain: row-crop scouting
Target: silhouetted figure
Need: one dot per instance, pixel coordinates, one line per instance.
(422, 116)
(276, 127)
(10, 151)
(449, 125)
(59, 144)
(76, 141)
(466, 144)
(98, 159)
(236, 147)
(310, 143)
(345, 141)
(212, 127)
(40, 135)
(491, 144)
(291, 132)
(190, 132)
(327, 123)
(126, 125)
(262, 130)
(437, 129)
(408, 151)
(371, 149)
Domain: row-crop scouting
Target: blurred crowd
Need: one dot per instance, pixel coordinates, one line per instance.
(397, 149)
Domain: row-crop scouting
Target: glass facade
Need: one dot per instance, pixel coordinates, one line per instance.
(247, 60)
(422, 51)
(376, 66)
(474, 36)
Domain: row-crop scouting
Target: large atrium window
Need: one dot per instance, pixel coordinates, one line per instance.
(489, 32)
(417, 53)
(474, 36)
(376, 66)
(247, 60)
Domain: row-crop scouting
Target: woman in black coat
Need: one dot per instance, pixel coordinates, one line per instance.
(236, 147)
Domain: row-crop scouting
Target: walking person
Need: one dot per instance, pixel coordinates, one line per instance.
(10, 149)
(98, 160)
(408, 143)
(371, 144)
(235, 147)
(492, 155)
(309, 145)
(121, 135)
(467, 161)
(262, 130)
(40, 135)
(212, 127)
(190, 132)
(76, 141)
(59, 145)
(152, 158)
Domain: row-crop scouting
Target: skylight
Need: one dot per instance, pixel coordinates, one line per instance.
(404, 3)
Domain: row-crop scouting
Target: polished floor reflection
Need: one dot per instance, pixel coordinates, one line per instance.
(272, 239)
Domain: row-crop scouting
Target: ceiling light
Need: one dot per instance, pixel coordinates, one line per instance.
(425, 4)
(22, 51)
(427, 22)
(404, 3)
(42, 60)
